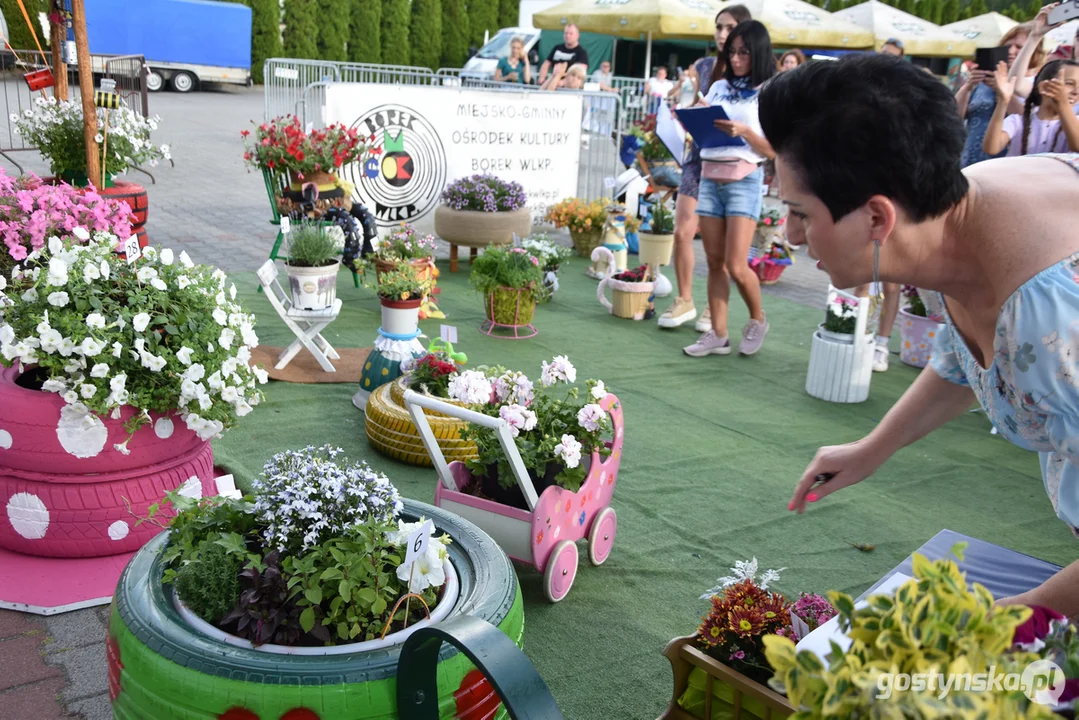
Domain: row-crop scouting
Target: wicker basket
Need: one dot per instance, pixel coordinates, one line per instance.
(584, 242)
(390, 429)
(630, 300)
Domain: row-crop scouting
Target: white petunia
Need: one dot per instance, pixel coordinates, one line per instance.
(87, 390)
(220, 316)
(70, 397)
(66, 347)
(155, 363)
(167, 256)
(184, 355)
(185, 260)
(140, 321)
(50, 339)
(95, 321)
(91, 347)
(54, 386)
(7, 334)
(58, 299)
(100, 370)
(3, 282)
(145, 274)
(117, 349)
(104, 269)
(90, 272)
(220, 298)
(194, 373)
(228, 335)
(242, 409)
(182, 281)
(262, 376)
(232, 290)
(159, 284)
(30, 296)
(247, 332)
(81, 233)
(229, 394)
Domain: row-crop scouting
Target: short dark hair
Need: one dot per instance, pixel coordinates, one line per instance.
(868, 125)
(759, 43)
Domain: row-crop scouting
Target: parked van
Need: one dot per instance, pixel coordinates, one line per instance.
(482, 65)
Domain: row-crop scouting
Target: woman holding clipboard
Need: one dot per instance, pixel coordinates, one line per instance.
(729, 200)
(706, 71)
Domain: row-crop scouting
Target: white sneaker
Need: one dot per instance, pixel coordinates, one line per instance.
(709, 344)
(880, 358)
(704, 322)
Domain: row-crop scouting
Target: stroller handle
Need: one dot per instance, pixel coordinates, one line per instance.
(416, 403)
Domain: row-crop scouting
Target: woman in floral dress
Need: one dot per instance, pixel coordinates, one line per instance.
(868, 160)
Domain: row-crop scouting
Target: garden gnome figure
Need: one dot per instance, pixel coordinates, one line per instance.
(614, 239)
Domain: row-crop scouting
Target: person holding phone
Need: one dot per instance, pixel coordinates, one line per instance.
(912, 216)
(730, 197)
(977, 97)
(515, 68)
(1048, 122)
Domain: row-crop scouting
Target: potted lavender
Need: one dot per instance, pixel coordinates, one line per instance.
(481, 210)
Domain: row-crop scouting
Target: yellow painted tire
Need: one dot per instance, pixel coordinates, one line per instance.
(390, 429)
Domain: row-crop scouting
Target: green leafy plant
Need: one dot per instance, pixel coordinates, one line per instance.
(513, 267)
(312, 245)
(934, 623)
(402, 284)
(159, 334)
(268, 611)
(210, 583)
(916, 306)
(551, 255)
(662, 220)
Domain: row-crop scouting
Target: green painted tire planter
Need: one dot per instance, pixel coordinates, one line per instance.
(161, 668)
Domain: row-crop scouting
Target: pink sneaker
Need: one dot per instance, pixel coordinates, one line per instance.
(753, 336)
(709, 344)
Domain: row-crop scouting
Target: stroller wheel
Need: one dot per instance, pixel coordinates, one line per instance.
(561, 571)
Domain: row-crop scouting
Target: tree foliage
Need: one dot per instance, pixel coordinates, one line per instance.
(425, 33)
(395, 32)
(332, 21)
(455, 35)
(301, 29)
(482, 16)
(365, 32)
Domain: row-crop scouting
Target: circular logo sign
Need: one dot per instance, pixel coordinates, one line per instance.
(1043, 682)
(404, 176)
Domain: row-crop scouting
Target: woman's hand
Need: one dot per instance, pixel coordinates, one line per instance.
(845, 464)
(1003, 85)
(1040, 26)
(979, 76)
(733, 128)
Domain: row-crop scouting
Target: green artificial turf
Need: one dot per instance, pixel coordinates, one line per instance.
(713, 449)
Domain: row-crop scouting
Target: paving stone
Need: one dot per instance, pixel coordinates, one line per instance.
(74, 629)
(86, 668)
(22, 662)
(15, 624)
(97, 707)
(37, 701)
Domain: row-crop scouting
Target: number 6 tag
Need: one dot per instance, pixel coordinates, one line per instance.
(418, 541)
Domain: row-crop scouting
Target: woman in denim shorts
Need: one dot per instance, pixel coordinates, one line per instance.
(730, 207)
(706, 71)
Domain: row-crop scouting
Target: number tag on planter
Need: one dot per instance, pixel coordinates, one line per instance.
(418, 541)
(286, 224)
(449, 334)
(132, 251)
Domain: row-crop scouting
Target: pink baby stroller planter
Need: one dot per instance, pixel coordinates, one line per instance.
(546, 535)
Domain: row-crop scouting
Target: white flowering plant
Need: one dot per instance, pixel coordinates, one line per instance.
(315, 555)
(159, 334)
(554, 424)
(55, 128)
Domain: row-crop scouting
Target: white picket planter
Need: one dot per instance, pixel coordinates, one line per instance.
(841, 367)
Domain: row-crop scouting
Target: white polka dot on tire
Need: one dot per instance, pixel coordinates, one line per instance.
(119, 530)
(5, 440)
(28, 515)
(81, 432)
(164, 428)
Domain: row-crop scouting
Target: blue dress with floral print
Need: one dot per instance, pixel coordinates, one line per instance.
(1030, 391)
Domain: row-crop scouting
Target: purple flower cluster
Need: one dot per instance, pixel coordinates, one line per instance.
(484, 193)
(31, 212)
(813, 609)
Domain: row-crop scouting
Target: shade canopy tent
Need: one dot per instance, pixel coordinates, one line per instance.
(793, 23)
(790, 23)
(919, 37)
(985, 30)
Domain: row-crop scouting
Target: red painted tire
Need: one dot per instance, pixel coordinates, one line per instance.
(56, 515)
(135, 196)
(30, 437)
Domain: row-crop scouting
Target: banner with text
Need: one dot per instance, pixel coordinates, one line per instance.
(427, 137)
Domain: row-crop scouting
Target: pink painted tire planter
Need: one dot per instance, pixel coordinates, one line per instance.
(59, 503)
(916, 335)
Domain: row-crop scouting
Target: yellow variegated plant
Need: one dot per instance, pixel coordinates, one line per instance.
(935, 627)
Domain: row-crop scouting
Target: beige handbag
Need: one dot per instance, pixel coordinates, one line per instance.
(726, 171)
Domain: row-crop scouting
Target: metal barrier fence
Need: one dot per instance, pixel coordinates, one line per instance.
(128, 71)
(606, 116)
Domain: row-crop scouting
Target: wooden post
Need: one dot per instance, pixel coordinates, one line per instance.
(86, 89)
(59, 69)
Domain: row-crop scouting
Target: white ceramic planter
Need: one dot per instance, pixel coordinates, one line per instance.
(440, 612)
(313, 288)
(400, 318)
(840, 372)
(655, 250)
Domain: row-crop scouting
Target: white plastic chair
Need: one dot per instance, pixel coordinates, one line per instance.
(306, 325)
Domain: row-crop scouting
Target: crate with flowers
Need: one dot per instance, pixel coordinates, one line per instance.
(770, 254)
(721, 670)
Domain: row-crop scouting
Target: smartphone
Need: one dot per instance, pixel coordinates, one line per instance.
(1065, 11)
(989, 58)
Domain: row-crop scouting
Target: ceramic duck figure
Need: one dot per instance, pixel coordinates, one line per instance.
(614, 239)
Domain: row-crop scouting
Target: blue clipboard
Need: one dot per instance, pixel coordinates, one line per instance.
(700, 123)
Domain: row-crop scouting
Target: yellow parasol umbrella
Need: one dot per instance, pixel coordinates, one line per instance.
(919, 37)
(985, 30)
(663, 19)
(793, 23)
